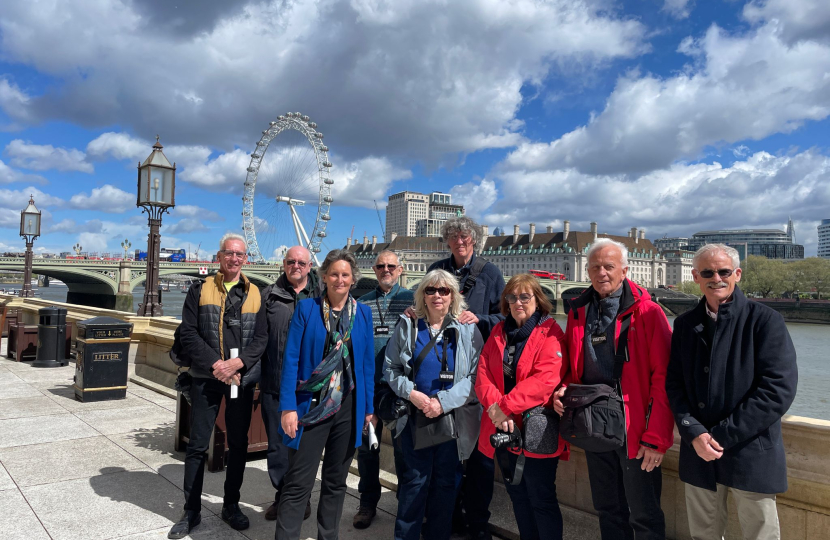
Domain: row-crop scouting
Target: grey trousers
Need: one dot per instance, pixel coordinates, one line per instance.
(708, 513)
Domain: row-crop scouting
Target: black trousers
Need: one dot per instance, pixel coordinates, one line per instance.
(206, 396)
(626, 497)
(478, 490)
(368, 465)
(535, 504)
(335, 435)
(277, 456)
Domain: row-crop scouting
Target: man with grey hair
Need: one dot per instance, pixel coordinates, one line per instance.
(614, 312)
(731, 378)
(223, 332)
(481, 284)
(297, 282)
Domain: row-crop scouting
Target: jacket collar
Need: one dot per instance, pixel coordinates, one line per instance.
(631, 295)
(725, 311)
(219, 280)
(284, 289)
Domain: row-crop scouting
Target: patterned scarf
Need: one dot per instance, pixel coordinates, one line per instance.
(334, 373)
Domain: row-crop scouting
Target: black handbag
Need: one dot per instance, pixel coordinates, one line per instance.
(594, 417)
(427, 432)
(541, 430)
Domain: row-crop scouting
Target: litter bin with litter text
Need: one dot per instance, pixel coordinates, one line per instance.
(51, 337)
(103, 352)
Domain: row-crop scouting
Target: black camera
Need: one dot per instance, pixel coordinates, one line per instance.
(502, 439)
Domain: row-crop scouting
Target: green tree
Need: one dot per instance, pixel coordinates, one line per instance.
(816, 275)
(793, 277)
(762, 276)
(690, 287)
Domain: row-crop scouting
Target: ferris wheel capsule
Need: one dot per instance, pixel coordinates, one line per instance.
(324, 148)
(305, 118)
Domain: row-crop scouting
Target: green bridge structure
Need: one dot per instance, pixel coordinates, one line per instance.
(110, 284)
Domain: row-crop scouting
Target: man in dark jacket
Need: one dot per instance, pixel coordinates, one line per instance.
(731, 378)
(297, 282)
(481, 283)
(218, 316)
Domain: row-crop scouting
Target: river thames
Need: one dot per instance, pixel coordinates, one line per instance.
(812, 341)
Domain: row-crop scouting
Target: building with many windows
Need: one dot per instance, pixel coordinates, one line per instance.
(671, 243)
(415, 254)
(678, 266)
(824, 239)
(415, 214)
(769, 243)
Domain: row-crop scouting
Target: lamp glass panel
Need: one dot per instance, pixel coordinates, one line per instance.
(161, 186)
(143, 186)
(30, 224)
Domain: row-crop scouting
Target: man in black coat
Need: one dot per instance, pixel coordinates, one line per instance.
(731, 377)
(297, 282)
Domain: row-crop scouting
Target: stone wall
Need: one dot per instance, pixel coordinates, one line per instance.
(804, 510)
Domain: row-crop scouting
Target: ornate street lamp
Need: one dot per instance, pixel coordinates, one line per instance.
(126, 245)
(77, 248)
(29, 229)
(156, 195)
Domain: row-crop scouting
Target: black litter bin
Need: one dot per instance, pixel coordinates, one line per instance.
(103, 353)
(51, 337)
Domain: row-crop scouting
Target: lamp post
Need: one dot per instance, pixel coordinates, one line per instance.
(156, 195)
(77, 248)
(29, 230)
(126, 245)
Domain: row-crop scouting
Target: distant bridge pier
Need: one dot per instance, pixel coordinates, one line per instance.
(92, 295)
(42, 281)
(124, 296)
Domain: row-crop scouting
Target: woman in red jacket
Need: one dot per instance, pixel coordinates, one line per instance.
(520, 367)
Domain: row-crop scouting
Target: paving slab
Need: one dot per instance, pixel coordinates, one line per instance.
(13, 365)
(25, 407)
(125, 420)
(17, 520)
(65, 460)
(113, 504)
(211, 528)
(6, 481)
(17, 388)
(56, 374)
(42, 429)
(153, 446)
(7, 375)
(151, 396)
(64, 395)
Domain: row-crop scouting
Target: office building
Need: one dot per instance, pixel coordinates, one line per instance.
(769, 243)
(671, 243)
(824, 239)
(415, 214)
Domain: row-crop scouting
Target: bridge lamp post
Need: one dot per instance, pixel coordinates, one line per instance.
(126, 245)
(156, 195)
(77, 248)
(29, 229)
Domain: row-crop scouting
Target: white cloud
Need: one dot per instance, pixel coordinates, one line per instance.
(476, 198)
(409, 79)
(224, 173)
(44, 157)
(106, 198)
(20, 198)
(193, 211)
(13, 101)
(679, 9)
(760, 191)
(9, 175)
(118, 146)
(185, 226)
(799, 19)
(361, 182)
(743, 87)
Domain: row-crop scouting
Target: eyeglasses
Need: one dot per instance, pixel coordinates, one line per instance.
(523, 298)
(460, 238)
(230, 253)
(723, 273)
(292, 262)
(442, 291)
(385, 266)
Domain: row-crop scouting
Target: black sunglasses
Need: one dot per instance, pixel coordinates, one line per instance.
(386, 266)
(723, 273)
(443, 291)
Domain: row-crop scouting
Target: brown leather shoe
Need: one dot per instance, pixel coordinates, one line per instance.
(271, 513)
(364, 517)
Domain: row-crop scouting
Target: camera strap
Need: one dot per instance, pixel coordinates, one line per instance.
(512, 476)
(621, 352)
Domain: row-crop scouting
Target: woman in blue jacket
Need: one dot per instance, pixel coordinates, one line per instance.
(326, 396)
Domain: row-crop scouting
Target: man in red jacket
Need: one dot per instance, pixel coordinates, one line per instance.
(625, 483)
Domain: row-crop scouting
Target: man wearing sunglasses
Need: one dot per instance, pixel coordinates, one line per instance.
(297, 282)
(388, 302)
(731, 378)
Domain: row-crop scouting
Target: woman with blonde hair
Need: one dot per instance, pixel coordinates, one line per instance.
(430, 362)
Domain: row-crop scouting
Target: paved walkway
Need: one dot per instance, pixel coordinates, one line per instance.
(72, 470)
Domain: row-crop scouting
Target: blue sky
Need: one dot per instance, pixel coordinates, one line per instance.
(670, 115)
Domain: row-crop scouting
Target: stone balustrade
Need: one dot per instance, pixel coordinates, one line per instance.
(804, 510)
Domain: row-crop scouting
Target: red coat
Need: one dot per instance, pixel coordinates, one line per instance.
(539, 372)
(647, 414)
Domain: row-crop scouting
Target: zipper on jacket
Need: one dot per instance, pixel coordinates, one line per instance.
(648, 414)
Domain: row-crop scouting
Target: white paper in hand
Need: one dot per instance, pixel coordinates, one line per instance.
(373, 438)
(234, 387)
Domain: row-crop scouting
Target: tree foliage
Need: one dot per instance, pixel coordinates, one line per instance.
(774, 277)
(690, 287)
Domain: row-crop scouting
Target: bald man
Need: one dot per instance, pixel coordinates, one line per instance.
(296, 283)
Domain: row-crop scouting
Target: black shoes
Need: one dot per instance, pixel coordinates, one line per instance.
(188, 521)
(233, 516)
(364, 517)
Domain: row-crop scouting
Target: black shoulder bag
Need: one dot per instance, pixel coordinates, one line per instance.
(594, 418)
(427, 432)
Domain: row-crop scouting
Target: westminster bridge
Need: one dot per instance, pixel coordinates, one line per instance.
(110, 284)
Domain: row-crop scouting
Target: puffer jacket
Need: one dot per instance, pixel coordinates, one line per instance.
(397, 373)
(539, 372)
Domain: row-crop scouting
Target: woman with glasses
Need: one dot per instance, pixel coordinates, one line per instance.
(521, 365)
(325, 396)
(430, 362)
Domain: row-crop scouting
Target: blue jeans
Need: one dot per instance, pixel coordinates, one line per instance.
(430, 473)
(534, 500)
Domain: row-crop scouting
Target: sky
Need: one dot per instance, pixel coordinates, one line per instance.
(673, 116)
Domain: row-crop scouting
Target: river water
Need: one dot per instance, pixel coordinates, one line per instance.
(812, 343)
